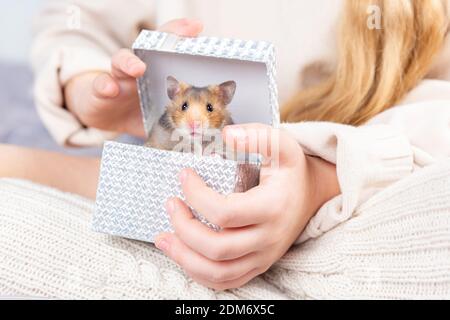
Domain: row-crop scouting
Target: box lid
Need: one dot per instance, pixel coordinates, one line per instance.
(206, 60)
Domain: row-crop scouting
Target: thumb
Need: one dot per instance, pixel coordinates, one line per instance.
(276, 146)
(183, 27)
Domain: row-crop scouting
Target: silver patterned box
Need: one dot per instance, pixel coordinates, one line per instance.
(136, 181)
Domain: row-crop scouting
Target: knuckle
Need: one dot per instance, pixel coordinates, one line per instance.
(271, 212)
(175, 222)
(277, 233)
(177, 228)
(277, 209)
(223, 218)
(219, 253)
(227, 215)
(218, 276)
(273, 239)
(263, 269)
(178, 257)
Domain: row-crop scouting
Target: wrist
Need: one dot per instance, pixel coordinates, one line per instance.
(324, 184)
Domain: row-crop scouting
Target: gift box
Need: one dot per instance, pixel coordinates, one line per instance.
(136, 181)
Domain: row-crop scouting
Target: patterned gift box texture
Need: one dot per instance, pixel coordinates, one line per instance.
(136, 181)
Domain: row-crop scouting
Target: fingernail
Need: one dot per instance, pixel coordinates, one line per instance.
(170, 206)
(183, 176)
(162, 244)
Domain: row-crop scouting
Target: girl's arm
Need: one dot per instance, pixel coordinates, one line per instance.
(68, 173)
(73, 37)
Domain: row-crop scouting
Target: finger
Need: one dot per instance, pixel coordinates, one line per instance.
(228, 244)
(275, 145)
(200, 267)
(255, 206)
(183, 27)
(232, 284)
(104, 86)
(125, 64)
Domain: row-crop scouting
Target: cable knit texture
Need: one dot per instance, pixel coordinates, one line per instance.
(396, 245)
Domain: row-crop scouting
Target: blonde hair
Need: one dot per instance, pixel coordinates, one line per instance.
(375, 67)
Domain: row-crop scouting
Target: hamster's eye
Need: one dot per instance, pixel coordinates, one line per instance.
(184, 107)
(209, 107)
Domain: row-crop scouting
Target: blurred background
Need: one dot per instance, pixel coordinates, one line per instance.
(15, 29)
(19, 122)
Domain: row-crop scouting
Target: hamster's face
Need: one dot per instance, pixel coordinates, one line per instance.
(195, 110)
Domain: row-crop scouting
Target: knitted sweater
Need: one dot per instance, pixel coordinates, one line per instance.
(396, 245)
(393, 145)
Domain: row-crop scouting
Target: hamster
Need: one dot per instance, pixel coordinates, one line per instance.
(194, 116)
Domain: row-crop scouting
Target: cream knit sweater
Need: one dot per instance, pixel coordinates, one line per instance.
(370, 158)
(396, 246)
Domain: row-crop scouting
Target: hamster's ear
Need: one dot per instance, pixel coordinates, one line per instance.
(173, 87)
(227, 90)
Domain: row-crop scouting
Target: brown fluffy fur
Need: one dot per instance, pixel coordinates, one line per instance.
(197, 100)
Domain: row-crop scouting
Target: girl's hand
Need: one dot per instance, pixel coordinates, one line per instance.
(260, 225)
(109, 100)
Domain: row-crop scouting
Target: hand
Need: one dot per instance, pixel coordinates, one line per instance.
(109, 100)
(260, 225)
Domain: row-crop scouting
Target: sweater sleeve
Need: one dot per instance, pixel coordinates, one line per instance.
(367, 159)
(372, 157)
(76, 36)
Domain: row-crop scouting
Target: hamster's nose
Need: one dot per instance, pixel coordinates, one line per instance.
(195, 125)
